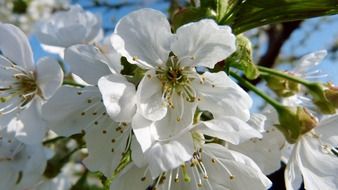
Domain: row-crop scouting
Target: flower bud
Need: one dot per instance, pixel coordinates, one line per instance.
(331, 95)
(319, 98)
(294, 122)
(282, 87)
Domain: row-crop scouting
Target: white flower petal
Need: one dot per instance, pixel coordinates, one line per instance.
(8, 177)
(31, 129)
(35, 166)
(54, 50)
(5, 119)
(15, 46)
(49, 76)
(136, 153)
(203, 43)
(105, 147)
(309, 61)
(163, 156)
(178, 120)
(87, 62)
(60, 182)
(151, 104)
(292, 174)
(6, 76)
(257, 121)
(222, 96)
(66, 28)
(316, 165)
(68, 37)
(233, 170)
(266, 152)
(143, 37)
(230, 129)
(72, 110)
(27, 162)
(119, 97)
(328, 130)
(131, 179)
(143, 130)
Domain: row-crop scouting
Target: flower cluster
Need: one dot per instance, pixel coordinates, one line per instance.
(145, 109)
(25, 13)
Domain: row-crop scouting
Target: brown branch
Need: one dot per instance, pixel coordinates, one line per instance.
(277, 36)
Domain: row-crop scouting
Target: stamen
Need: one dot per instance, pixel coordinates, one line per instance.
(223, 166)
(186, 177)
(170, 179)
(198, 182)
(159, 179)
(182, 108)
(177, 175)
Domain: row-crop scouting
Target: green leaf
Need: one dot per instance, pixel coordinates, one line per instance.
(133, 73)
(209, 4)
(222, 9)
(242, 58)
(248, 14)
(20, 6)
(191, 14)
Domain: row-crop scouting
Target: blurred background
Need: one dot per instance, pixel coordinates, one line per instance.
(279, 45)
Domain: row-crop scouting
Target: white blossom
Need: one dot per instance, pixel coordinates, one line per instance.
(24, 86)
(212, 167)
(314, 157)
(82, 109)
(21, 165)
(66, 28)
(171, 89)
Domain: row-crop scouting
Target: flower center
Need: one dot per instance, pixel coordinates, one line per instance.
(20, 90)
(176, 79)
(26, 84)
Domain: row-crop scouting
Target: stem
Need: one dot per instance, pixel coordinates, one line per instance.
(284, 75)
(259, 92)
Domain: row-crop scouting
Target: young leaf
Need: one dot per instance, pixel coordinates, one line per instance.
(250, 14)
(190, 14)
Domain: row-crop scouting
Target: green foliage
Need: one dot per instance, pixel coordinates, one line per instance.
(242, 58)
(133, 73)
(248, 14)
(191, 14)
(243, 15)
(20, 6)
(222, 9)
(82, 184)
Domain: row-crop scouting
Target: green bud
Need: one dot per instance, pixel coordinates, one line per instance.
(332, 95)
(294, 122)
(242, 58)
(282, 87)
(320, 99)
